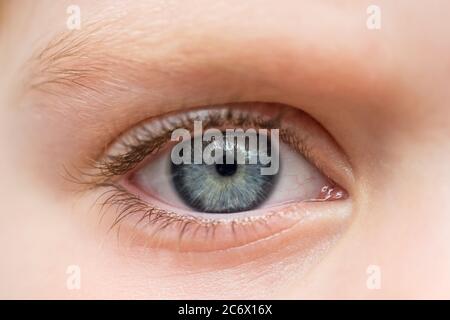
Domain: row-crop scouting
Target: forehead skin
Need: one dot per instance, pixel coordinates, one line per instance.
(383, 94)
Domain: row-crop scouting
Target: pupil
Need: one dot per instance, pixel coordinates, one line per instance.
(226, 170)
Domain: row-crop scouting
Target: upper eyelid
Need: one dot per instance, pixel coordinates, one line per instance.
(231, 114)
(115, 163)
(138, 142)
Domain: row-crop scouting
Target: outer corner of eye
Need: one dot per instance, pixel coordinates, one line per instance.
(228, 194)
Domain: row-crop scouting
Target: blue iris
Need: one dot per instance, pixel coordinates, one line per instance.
(222, 188)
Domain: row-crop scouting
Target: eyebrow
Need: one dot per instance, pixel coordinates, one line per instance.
(107, 54)
(104, 53)
(70, 58)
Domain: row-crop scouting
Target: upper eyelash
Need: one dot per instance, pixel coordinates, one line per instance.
(104, 171)
(139, 148)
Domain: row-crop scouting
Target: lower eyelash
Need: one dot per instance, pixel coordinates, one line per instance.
(126, 205)
(186, 230)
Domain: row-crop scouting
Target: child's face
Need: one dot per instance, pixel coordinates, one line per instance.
(92, 207)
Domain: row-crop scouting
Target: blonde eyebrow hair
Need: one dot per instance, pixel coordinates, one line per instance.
(113, 53)
(64, 59)
(84, 57)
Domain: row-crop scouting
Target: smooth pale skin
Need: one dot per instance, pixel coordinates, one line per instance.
(382, 94)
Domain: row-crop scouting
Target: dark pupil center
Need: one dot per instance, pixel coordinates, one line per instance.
(226, 169)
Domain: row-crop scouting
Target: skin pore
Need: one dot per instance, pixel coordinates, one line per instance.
(380, 97)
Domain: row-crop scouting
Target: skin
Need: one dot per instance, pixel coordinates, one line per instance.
(381, 94)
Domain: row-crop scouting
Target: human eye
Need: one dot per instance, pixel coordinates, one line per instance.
(222, 206)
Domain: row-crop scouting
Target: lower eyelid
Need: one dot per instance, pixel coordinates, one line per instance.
(233, 235)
